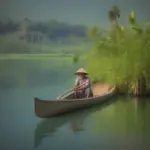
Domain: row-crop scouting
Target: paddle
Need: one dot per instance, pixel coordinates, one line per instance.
(72, 90)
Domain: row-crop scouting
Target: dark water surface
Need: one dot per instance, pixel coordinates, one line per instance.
(123, 124)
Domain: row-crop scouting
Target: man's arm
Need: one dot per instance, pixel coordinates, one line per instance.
(76, 84)
(84, 86)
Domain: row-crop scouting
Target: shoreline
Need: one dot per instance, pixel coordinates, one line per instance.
(34, 56)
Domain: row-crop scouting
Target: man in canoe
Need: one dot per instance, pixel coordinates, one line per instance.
(82, 87)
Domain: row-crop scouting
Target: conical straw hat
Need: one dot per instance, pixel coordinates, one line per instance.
(81, 70)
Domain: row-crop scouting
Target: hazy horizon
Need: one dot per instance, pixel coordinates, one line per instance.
(85, 12)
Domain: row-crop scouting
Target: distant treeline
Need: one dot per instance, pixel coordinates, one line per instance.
(51, 36)
(49, 29)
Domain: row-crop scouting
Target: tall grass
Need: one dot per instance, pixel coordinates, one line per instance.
(122, 58)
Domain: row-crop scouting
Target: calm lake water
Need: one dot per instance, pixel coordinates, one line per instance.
(124, 124)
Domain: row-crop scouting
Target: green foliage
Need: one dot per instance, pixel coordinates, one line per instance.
(122, 60)
(52, 36)
(51, 29)
(133, 23)
(132, 19)
(75, 58)
(129, 116)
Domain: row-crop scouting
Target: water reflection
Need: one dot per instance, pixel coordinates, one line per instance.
(35, 73)
(124, 121)
(143, 122)
(48, 127)
(142, 116)
(77, 124)
(126, 117)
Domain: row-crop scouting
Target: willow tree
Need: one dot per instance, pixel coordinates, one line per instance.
(124, 61)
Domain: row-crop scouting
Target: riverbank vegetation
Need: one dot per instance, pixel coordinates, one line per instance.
(35, 56)
(122, 56)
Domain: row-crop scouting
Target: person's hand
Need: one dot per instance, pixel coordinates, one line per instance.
(74, 89)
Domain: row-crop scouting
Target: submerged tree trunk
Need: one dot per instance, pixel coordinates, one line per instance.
(122, 88)
(140, 88)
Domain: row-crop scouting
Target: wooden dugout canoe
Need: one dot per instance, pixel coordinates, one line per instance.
(67, 103)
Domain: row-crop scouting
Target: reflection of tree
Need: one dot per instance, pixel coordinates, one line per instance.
(141, 117)
(121, 118)
(142, 127)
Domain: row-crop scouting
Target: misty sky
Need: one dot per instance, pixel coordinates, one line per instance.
(88, 12)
